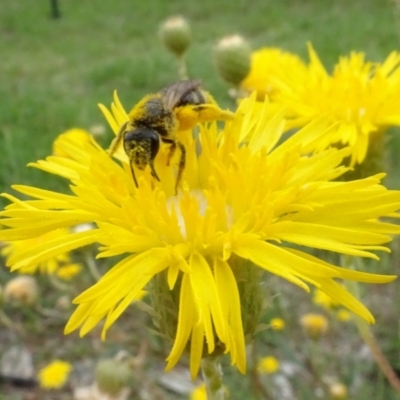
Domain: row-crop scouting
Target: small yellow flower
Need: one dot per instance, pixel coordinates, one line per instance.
(315, 325)
(54, 375)
(68, 271)
(199, 393)
(343, 315)
(268, 365)
(277, 324)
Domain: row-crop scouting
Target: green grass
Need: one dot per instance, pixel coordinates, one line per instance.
(54, 72)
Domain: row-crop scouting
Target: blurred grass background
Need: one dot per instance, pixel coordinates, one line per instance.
(53, 72)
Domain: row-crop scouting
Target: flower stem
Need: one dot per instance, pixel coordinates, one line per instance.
(182, 68)
(92, 266)
(379, 357)
(368, 336)
(212, 375)
(6, 321)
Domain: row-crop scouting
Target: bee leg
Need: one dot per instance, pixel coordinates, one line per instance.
(172, 148)
(133, 175)
(181, 166)
(153, 171)
(117, 140)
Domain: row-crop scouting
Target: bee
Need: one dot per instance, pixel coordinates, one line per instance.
(158, 117)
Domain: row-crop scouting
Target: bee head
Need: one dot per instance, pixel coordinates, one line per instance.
(141, 145)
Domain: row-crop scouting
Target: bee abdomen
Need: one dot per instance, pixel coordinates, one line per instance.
(194, 97)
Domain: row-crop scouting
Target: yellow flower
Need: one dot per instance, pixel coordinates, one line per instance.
(270, 68)
(243, 200)
(360, 97)
(59, 265)
(54, 375)
(68, 271)
(277, 324)
(315, 325)
(199, 393)
(268, 365)
(343, 315)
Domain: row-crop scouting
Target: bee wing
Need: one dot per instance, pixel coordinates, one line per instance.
(173, 94)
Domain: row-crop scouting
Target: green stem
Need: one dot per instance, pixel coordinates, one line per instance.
(91, 263)
(212, 375)
(182, 68)
(258, 387)
(58, 284)
(376, 351)
(368, 336)
(6, 321)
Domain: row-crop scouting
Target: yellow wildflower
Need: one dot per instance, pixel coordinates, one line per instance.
(277, 324)
(270, 68)
(315, 325)
(343, 315)
(361, 97)
(268, 365)
(54, 375)
(199, 393)
(243, 200)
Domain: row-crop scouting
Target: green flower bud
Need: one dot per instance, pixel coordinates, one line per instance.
(113, 375)
(233, 59)
(175, 34)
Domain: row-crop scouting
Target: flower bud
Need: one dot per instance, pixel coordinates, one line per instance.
(233, 59)
(175, 34)
(338, 391)
(22, 290)
(64, 303)
(315, 325)
(113, 375)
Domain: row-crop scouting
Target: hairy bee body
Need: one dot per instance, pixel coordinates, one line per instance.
(156, 118)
